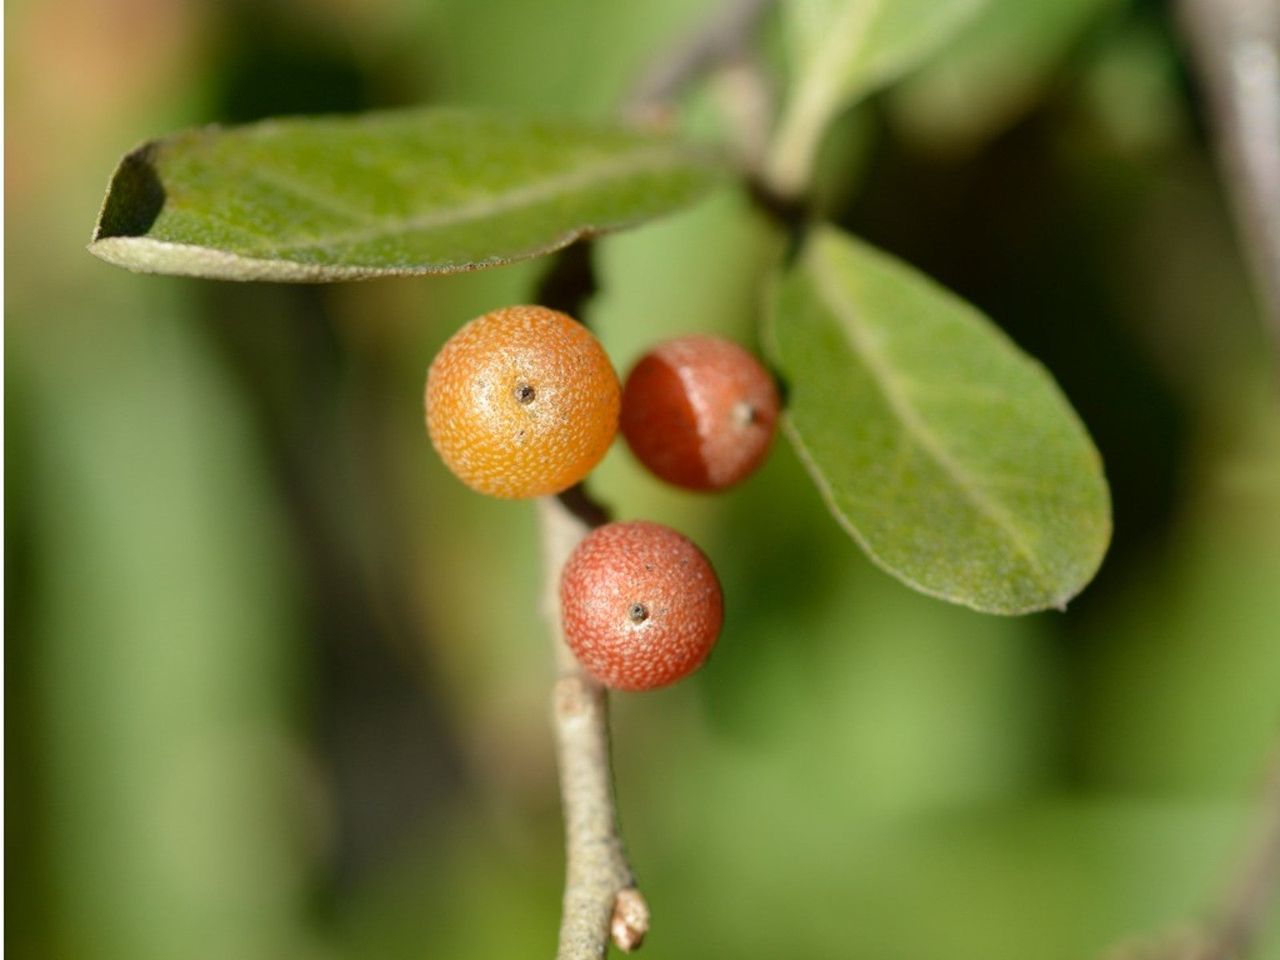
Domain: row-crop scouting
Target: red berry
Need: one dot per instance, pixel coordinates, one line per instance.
(640, 605)
(699, 412)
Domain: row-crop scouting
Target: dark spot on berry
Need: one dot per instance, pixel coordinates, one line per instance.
(638, 613)
(525, 393)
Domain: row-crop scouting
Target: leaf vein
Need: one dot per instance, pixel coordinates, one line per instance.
(914, 425)
(548, 189)
(307, 193)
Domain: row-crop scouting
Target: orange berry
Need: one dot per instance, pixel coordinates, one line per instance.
(699, 412)
(522, 402)
(640, 605)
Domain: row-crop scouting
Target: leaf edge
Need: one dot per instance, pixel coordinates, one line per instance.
(165, 258)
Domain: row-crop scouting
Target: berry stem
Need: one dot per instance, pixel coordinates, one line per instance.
(600, 896)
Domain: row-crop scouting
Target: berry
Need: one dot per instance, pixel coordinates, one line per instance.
(699, 412)
(522, 402)
(640, 604)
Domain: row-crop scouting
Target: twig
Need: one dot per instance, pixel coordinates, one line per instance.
(1249, 896)
(600, 896)
(719, 40)
(1253, 890)
(1237, 46)
(601, 900)
(570, 281)
(747, 99)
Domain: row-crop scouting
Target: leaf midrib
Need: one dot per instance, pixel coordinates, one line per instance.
(838, 58)
(913, 423)
(652, 160)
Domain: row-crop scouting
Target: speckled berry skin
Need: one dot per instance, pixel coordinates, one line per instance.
(699, 412)
(522, 402)
(640, 605)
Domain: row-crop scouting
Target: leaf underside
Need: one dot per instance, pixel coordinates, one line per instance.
(947, 453)
(418, 191)
(845, 49)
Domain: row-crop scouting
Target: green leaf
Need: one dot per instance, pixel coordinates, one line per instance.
(400, 192)
(949, 455)
(841, 50)
(855, 46)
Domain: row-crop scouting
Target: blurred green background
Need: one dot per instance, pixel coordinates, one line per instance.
(277, 684)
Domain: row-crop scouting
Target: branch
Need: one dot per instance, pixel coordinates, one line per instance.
(1252, 892)
(600, 896)
(748, 101)
(1237, 47)
(720, 40)
(1247, 900)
